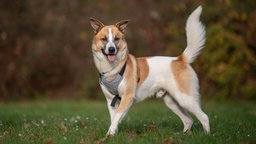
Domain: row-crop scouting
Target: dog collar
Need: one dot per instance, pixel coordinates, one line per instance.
(112, 86)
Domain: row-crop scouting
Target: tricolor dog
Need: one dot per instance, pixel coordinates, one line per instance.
(125, 79)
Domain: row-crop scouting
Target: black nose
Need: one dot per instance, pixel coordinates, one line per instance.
(111, 50)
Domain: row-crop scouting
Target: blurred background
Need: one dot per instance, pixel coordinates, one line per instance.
(45, 45)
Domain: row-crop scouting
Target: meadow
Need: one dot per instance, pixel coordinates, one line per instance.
(83, 122)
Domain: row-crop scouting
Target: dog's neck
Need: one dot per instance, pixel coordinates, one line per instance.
(111, 69)
(114, 70)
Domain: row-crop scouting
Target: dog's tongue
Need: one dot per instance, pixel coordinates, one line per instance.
(111, 57)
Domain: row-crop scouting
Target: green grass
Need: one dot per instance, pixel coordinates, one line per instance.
(68, 122)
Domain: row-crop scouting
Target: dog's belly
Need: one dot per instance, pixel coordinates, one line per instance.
(159, 79)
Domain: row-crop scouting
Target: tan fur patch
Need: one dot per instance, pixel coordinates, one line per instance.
(97, 43)
(143, 70)
(130, 76)
(182, 74)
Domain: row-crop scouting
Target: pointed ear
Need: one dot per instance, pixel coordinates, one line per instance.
(121, 25)
(96, 25)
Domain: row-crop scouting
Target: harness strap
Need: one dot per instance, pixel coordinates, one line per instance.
(117, 97)
(122, 70)
(114, 100)
(121, 73)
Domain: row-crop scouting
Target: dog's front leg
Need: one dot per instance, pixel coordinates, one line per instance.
(121, 111)
(112, 110)
(109, 97)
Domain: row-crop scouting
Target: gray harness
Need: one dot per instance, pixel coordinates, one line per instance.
(112, 86)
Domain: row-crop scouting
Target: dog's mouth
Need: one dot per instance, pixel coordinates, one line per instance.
(111, 57)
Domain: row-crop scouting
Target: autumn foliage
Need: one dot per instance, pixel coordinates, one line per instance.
(45, 46)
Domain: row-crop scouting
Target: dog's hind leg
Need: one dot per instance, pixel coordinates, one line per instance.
(192, 104)
(178, 110)
(195, 108)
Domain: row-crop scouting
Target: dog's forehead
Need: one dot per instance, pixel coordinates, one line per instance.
(107, 29)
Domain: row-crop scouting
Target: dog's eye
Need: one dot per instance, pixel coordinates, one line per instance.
(117, 38)
(104, 39)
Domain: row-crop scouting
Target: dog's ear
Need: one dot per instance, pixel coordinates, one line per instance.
(121, 25)
(96, 25)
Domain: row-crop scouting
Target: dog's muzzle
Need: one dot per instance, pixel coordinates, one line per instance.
(110, 53)
(112, 50)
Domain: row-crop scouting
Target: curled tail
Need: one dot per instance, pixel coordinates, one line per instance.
(195, 36)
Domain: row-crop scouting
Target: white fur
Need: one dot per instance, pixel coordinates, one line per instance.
(195, 35)
(110, 35)
(159, 72)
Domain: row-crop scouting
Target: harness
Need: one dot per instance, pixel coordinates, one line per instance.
(112, 86)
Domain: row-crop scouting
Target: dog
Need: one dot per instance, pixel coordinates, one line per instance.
(126, 80)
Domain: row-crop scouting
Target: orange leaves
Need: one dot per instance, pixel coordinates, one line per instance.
(5, 133)
(63, 127)
(151, 128)
(84, 124)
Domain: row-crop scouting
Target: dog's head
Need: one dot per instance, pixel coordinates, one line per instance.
(109, 41)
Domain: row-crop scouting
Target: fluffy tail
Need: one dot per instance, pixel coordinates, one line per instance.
(195, 36)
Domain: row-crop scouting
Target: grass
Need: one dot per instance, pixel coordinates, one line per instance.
(68, 122)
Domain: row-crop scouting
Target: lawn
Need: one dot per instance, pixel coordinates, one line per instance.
(65, 121)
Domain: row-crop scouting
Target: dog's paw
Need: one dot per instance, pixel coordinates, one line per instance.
(110, 133)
